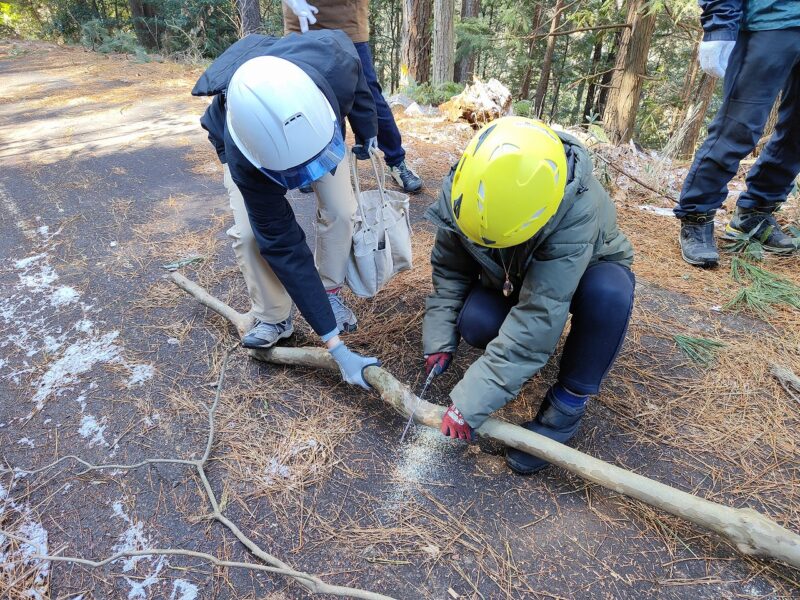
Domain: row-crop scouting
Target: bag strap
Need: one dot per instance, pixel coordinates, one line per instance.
(357, 186)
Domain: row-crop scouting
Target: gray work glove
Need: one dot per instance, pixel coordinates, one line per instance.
(352, 365)
(714, 56)
(362, 151)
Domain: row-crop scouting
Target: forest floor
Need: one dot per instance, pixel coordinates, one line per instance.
(107, 176)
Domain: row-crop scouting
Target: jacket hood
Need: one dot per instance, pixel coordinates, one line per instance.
(579, 170)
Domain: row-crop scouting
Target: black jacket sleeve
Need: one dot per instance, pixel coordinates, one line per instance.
(363, 116)
(720, 19)
(213, 121)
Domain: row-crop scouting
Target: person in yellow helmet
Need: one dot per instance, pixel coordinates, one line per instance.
(526, 235)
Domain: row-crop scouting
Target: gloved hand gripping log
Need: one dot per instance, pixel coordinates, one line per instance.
(749, 531)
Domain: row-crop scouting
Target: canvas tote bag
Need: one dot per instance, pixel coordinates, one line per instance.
(381, 235)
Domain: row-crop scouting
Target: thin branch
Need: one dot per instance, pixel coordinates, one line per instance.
(317, 586)
(311, 583)
(633, 178)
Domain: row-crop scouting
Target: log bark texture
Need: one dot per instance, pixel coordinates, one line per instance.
(749, 531)
(443, 41)
(415, 49)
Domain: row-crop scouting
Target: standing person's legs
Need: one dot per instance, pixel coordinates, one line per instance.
(771, 177)
(758, 69)
(389, 140)
(269, 301)
(336, 208)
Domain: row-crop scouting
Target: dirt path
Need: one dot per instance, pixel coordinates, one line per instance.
(106, 176)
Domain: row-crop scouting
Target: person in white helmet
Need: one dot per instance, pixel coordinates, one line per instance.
(277, 123)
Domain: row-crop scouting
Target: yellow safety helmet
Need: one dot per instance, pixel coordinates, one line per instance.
(509, 182)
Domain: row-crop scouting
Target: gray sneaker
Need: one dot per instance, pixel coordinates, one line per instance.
(266, 335)
(345, 318)
(406, 178)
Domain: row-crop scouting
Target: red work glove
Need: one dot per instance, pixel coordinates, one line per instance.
(454, 425)
(440, 360)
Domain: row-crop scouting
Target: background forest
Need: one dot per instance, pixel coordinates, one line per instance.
(629, 65)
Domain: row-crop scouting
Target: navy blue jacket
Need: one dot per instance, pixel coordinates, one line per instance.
(331, 60)
(722, 19)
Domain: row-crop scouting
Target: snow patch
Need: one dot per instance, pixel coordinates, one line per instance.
(133, 539)
(140, 374)
(36, 535)
(92, 430)
(26, 442)
(276, 470)
(183, 590)
(657, 210)
(76, 360)
(64, 296)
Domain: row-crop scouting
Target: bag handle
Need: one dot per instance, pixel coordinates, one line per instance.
(357, 186)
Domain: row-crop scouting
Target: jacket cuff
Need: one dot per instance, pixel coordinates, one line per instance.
(472, 419)
(721, 35)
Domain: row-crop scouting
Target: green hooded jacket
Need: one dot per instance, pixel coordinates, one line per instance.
(546, 270)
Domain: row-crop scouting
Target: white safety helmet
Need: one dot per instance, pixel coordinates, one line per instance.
(282, 123)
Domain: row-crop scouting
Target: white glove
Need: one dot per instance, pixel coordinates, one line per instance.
(304, 12)
(714, 56)
(352, 365)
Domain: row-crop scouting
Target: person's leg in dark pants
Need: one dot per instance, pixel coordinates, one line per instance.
(601, 309)
(772, 176)
(389, 139)
(759, 68)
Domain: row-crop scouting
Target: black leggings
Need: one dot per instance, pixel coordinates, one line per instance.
(601, 309)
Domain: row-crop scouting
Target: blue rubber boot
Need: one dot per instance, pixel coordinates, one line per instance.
(556, 420)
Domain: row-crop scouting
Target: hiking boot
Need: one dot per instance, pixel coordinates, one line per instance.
(698, 246)
(760, 224)
(406, 178)
(345, 318)
(555, 420)
(306, 189)
(266, 335)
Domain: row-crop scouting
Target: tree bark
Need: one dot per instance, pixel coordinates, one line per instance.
(443, 35)
(769, 128)
(415, 50)
(143, 15)
(557, 91)
(465, 66)
(608, 72)
(749, 531)
(249, 16)
(630, 68)
(695, 116)
(597, 53)
(547, 63)
(525, 85)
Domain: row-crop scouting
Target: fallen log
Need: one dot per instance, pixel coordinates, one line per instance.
(749, 531)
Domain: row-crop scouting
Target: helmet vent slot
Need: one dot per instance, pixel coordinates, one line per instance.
(480, 197)
(292, 119)
(503, 149)
(457, 206)
(534, 216)
(554, 166)
(483, 137)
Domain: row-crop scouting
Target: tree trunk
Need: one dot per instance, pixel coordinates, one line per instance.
(443, 35)
(465, 66)
(597, 53)
(525, 85)
(689, 81)
(557, 91)
(415, 50)
(695, 116)
(143, 15)
(249, 16)
(630, 69)
(605, 80)
(769, 128)
(547, 63)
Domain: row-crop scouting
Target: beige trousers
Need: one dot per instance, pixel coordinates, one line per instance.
(336, 207)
